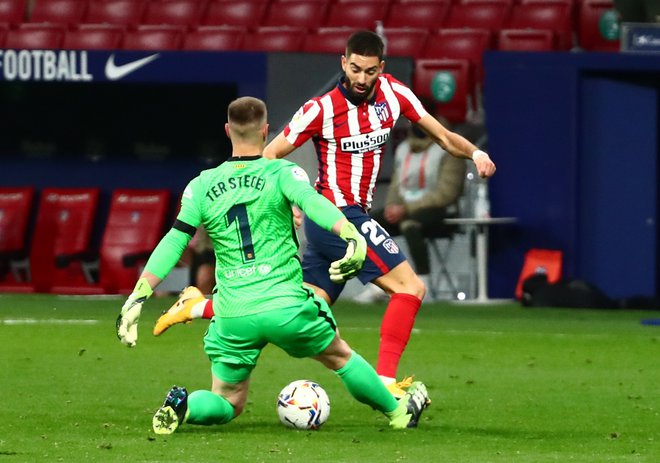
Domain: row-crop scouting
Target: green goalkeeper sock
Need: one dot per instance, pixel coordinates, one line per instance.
(364, 384)
(205, 407)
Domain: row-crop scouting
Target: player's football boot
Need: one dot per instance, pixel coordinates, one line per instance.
(398, 389)
(413, 403)
(180, 312)
(172, 413)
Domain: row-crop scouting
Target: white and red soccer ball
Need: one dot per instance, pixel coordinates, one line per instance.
(303, 404)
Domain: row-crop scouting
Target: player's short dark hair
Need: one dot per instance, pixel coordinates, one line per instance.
(247, 110)
(365, 43)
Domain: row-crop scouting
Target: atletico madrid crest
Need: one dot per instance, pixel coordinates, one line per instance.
(382, 111)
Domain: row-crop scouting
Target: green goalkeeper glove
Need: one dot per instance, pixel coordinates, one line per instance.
(127, 322)
(350, 265)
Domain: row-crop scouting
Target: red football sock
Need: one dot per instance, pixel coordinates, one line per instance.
(208, 309)
(395, 331)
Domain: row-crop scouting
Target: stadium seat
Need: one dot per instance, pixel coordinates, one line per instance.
(126, 12)
(418, 14)
(361, 14)
(62, 240)
(555, 15)
(35, 36)
(175, 12)
(3, 35)
(288, 39)
(525, 40)
(69, 12)
(328, 40)
(136, 223)
(247, 13)
(309, 14)
(446, 82)
(460, 44)
(216, 38)
(94, 37)
(15, 212)
(154, 37)
(479, 14)
(405, 41)
(12, 11)
(593, 34)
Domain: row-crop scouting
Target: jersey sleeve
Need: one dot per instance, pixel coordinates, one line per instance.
(169, 250)
(304, 124)
(411, 107)
(294, 183)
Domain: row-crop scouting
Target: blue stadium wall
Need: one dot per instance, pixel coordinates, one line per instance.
(575, 137)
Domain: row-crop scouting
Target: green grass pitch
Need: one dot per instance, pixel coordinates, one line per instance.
(508, 384)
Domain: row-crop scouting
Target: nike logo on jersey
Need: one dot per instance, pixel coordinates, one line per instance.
(116, 72)
(365, 142)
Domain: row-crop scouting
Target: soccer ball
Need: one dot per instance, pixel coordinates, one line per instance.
(303, 404)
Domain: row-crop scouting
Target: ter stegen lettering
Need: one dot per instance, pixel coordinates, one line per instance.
(242, 181)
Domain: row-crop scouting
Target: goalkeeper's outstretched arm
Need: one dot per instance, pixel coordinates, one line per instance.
(162, 260)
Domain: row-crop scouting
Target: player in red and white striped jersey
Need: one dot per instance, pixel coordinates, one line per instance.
(349, 127)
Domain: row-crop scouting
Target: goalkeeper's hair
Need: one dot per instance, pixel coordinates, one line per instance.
(247, 116)
(365, 43)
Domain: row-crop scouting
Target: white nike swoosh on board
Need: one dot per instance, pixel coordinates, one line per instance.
(115, 72)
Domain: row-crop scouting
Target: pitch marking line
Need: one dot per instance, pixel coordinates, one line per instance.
(46, 321)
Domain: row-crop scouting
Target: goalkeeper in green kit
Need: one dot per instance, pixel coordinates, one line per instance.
(245, 206)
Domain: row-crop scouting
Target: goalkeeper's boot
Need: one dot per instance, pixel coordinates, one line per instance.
(171, 415)
(180, 312)
(411, 406)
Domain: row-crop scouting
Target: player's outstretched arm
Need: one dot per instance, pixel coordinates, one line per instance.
(127, 321)
(458, 146)
(350, 265)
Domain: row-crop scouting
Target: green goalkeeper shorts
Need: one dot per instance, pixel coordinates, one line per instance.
(234, 344)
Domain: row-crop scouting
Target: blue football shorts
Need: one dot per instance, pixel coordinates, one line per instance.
(324, 247)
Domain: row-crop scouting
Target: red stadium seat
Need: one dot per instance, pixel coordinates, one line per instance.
(328, 40)
(217, 38)
(3, 35)
(361, 14)
(446, 82)
(289, 39)
(418, 13)
(526, 40)
(94, 37)
(235, 13)
(592, 18)
(460, 44)
(309, 14)
(15, 211)
(136, 223)
(479, 14)
(126, 12)
(405, 42)
(176, 12)
(153, 37)
(12, 11)
(555, 15)
(35, 36)
(69, 12)
(62, 240)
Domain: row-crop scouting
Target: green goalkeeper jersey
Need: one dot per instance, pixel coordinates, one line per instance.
(245, 206)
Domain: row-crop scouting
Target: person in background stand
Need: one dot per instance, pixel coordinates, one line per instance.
(424, 190)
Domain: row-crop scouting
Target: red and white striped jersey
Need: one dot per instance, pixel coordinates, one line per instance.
(349, 139)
